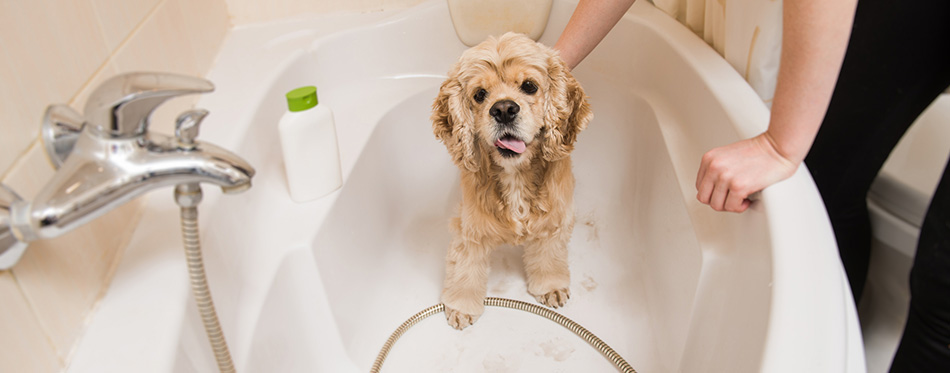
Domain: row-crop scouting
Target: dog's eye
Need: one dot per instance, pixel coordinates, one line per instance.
(529, 87)
(480, 95)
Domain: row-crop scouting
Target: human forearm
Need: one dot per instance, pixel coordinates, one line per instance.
(814, 39)
(590, 23)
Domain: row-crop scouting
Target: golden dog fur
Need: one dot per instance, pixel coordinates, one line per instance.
(520, 199)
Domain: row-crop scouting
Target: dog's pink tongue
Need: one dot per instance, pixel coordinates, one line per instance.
(512, 144)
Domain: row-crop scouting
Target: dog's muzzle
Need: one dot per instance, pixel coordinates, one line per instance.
(504, 111)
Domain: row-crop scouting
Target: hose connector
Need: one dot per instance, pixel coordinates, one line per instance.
(188, 194)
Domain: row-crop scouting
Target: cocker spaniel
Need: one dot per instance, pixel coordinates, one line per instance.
(509, 114)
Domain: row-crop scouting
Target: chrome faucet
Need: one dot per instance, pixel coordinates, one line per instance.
(108, 157)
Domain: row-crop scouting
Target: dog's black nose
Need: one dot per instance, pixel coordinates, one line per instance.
(504, 111)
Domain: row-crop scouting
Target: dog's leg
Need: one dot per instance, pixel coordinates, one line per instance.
(545, 261)
(466, 281)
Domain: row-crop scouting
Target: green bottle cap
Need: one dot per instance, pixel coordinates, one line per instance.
(302, 98)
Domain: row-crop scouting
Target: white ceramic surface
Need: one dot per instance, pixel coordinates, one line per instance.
(317, 287)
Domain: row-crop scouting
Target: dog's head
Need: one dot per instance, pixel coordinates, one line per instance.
(509, 99)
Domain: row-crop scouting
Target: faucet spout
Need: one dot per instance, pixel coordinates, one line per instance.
(104, 173)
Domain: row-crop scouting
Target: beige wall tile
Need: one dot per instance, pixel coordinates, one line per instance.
(50, 48)
(30, 173)
(63, 277)
(19, 124)
(161, 44)
(207, 23)
(180, 36)
(79, 100)
(251, 11)
(118, 18)
(23, 345)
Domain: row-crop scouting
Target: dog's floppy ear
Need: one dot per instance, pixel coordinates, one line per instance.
(453, 125)
(567, 112)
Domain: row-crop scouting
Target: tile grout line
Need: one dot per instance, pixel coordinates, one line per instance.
(135, 30)
(19, 159)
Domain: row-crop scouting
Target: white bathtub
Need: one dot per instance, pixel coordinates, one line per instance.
(672, 285)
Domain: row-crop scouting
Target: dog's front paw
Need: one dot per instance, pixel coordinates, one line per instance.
(555, 298)
(458, 319)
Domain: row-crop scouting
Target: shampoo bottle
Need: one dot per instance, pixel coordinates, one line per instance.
(311, 153)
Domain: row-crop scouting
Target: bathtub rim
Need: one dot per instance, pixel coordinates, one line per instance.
(840, 330)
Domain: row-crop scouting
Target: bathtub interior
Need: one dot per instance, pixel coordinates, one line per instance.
(670, 284)
(644, 279)
(381, 251)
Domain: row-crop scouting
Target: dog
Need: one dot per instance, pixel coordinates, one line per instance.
(509, 114)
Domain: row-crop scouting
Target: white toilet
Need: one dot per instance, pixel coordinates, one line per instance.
(898, 201)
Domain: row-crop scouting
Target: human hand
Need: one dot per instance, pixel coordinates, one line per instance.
(729, 174)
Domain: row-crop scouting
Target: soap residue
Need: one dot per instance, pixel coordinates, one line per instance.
(498, 363)
(557, 349)
(588, 283)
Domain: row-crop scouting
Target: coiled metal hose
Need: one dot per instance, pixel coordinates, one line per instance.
(582, 332)
(188, 196)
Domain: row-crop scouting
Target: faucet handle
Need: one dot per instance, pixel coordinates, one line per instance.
(121, 106)
(186, 126)
(60, 130)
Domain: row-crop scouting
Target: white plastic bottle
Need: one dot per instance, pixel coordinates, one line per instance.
(311, 153)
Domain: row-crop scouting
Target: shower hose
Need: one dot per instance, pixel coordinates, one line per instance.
(188, 196)
(579, 330)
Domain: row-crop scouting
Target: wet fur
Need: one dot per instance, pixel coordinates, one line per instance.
(524, 200)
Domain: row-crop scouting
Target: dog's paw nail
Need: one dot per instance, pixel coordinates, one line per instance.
(555, 298)
(459, 320)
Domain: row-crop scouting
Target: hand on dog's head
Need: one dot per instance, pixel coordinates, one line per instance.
(509, 100)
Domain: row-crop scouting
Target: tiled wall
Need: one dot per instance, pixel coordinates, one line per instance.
(56, 51)
(252, 11)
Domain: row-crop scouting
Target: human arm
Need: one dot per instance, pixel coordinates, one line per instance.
(589, 24)
(815, 36)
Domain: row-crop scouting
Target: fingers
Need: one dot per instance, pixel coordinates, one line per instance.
(729, 199)
(703, 167)
(725, 199)
(705, 191)
(718, 188)
(729, 174)
(736, 203)
(718, 198)
(704, 183)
